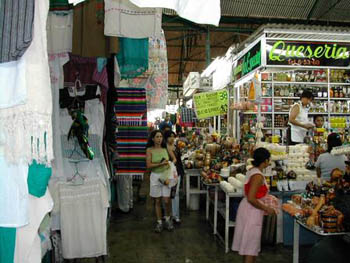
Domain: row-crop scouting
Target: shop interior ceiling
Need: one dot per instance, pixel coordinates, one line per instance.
(187, 41)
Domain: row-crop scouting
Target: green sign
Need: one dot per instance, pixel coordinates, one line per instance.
(307, 53)
(210, 104)
(250, 61)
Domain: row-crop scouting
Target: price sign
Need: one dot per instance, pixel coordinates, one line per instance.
(210, 104)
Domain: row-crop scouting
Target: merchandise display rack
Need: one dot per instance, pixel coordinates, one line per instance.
(309, 85)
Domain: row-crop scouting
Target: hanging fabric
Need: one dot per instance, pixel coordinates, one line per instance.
(132, 57)
(13, 83)
(124, 19)
(130, 106)
(155, 79)
(199, 11)
(28, 127)
(59, 5)
(132, 131)
(28, 245)
(83, 218)
(59, 32)
(86, 69)
(7, 244)
(88, 31)
(16, 25)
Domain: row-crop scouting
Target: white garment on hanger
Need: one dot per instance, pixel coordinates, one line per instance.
(28, 246)
(198, 11)
(56, 62)
(12, 84)
(124, 19)
(59, 32)
(83, 211)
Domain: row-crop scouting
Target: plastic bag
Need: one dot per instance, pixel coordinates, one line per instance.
(170, 174)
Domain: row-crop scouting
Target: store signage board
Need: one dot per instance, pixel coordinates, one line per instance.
(307, 54)
(248, 62)
(210, 104)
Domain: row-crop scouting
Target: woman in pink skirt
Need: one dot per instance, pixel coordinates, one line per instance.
(247, 236)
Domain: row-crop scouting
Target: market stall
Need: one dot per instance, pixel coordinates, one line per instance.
(289, 59)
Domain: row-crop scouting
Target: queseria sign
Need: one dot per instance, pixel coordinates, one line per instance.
(307, 53)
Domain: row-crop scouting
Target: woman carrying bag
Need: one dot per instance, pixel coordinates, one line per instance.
(161, 179)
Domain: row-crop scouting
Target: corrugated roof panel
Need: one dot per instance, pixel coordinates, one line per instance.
(288, 9)
(266, 8)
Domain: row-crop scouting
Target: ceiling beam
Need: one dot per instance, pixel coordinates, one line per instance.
(329, 9)
(176, 19)
(212, 29)
(186, 60)
(199, 46)
(312, 10)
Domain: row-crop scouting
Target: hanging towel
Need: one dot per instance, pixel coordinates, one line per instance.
(7, 244)
(38, 179)
(24, 126)
(16, 27)
(155, 80)
(124, 19)
(132, 57)
(199, 11)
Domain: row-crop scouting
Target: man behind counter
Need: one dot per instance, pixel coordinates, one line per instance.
(298, 118)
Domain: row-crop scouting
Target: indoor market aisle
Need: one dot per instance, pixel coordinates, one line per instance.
(132, 240)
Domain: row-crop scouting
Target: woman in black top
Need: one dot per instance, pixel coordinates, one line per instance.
(169, 137)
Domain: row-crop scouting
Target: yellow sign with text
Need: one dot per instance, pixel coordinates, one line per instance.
(210, 104)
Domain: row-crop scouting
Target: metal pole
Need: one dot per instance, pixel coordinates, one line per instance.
(207, 46)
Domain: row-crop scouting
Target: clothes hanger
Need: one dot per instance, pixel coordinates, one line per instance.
(77, 103)
(77, 178)
(75, 150)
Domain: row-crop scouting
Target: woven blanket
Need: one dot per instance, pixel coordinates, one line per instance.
(130, 106)
(132, 132)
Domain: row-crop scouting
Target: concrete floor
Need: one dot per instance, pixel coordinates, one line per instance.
(131, 239)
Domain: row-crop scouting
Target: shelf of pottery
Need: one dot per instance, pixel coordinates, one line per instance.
(281, 90)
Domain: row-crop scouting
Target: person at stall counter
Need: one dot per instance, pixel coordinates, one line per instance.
(170, 138)
(298, 118)
(318, 121)
(157, 160)
(249, 221)
(327, 162)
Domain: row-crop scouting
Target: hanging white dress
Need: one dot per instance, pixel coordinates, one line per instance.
(124, 19)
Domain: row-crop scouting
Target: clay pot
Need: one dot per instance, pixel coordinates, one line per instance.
(199, 156)
(207, 161)
(199, 164)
